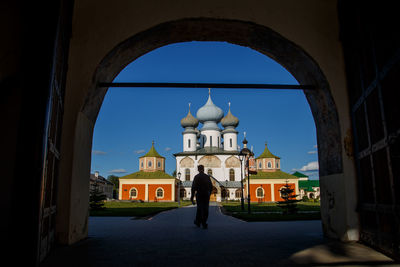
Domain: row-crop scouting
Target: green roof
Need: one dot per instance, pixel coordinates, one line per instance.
(148, 175)
(152, 153)
(308, 185)
(272, 175)
(267, 154)
(299, 174)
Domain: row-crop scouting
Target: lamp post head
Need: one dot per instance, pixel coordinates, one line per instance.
(179, 175)
(246, 152)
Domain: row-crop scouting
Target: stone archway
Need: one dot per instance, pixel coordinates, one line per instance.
(258, 37)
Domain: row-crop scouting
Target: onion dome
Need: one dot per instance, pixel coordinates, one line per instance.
(244, 141)
(189, 120)
(209, 112)
(229, 121)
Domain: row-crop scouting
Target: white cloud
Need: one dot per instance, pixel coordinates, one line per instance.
(311, 166)
(312, 152)
(98, 152)
(140, 151)
(117, 171)
(168, 149)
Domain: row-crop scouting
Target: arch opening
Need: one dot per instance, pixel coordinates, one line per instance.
(259, 38)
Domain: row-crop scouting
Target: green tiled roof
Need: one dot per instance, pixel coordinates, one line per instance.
(148, 175)
(267, 154)
(152, 153)
(308, 185)
(299, 174)
(272, 175)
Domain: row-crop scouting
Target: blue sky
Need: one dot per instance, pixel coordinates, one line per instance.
(131, 118)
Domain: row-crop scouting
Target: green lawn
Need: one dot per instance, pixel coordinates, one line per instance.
(271, 212)
(132, 209)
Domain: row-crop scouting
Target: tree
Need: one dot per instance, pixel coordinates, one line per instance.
(289, 203)
(97, 198)
(115, 180)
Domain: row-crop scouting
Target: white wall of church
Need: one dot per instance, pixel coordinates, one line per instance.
(219, 173)
(212, 138)
(189, 142)
(230, 142)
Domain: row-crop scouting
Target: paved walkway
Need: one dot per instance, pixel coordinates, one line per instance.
(171, 239)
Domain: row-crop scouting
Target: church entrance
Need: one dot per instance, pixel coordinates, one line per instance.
(214, 193)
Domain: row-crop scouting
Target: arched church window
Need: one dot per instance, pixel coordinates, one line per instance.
(149, 164)
(269, 165)
(238, 193)
(259, 165)
(160, 193)
(159, 164)
(188, 143)
(209, 172)
(133, 193)
(187, 175)
(141, 164)
(260, 192)
(277, 164)
(210, 140)
(231, 175)
(230, 142)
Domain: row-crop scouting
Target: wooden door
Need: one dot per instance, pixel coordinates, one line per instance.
(48, 207)
(371, 44)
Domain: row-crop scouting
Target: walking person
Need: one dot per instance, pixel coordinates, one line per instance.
(202, 187)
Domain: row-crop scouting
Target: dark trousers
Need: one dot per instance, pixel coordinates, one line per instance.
(202, 210)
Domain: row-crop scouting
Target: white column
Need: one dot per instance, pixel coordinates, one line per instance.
(146, 193)
(273, 192)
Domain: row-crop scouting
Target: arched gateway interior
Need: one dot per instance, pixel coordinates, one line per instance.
(260, 38)
(350, 59)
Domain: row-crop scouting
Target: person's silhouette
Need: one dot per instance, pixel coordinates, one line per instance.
(202, 187)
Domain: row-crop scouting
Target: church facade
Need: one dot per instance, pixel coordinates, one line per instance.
(218, 150)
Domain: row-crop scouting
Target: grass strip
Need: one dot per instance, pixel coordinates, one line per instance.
(134, 209)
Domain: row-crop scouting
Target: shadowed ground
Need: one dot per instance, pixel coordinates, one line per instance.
(171, 239)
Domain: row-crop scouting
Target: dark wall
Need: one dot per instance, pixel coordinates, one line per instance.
(26, 52)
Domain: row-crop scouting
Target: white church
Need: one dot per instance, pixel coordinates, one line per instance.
(218, 150)
(212, 147)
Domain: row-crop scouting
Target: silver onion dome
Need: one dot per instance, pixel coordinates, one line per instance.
(209, 112)
(230, 121)
(189, 120)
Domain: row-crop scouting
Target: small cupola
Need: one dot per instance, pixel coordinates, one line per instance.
(229, 121)
(189, 121)
(152, 161)
(267, 161)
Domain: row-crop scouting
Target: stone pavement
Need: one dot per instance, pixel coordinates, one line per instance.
(171, 239)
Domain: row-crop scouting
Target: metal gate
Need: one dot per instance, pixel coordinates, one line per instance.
(371, 43)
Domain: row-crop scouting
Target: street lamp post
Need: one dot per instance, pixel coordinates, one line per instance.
(179, 189)
(241, 156)
(248, 184)
(247, 154)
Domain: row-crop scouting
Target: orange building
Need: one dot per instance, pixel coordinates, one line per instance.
(150, 183)
(265, 186)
